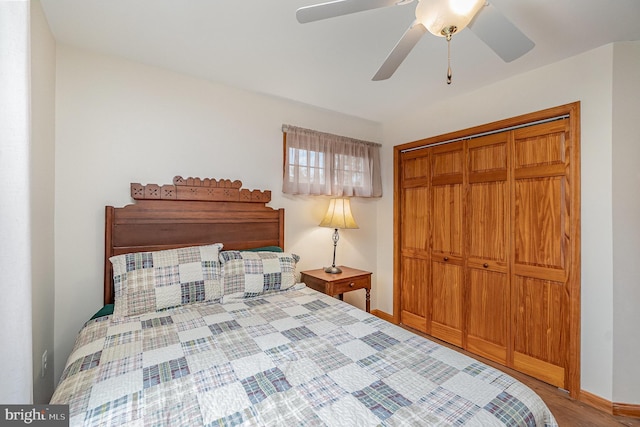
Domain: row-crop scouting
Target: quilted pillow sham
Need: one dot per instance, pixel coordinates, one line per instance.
(248, 274)
(151, 281)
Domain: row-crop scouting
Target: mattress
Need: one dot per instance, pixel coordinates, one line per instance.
(289, 358)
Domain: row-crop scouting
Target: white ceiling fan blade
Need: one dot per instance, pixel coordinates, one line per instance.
(400, 51)
(504, 38)
(335, 8)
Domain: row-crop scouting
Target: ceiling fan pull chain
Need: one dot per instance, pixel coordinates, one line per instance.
(449, 74)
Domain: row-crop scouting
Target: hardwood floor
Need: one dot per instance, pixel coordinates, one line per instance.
(567, 411)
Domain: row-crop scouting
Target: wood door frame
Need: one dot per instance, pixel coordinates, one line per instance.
(572, 111)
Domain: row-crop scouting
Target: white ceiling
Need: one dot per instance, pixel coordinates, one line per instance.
(258, 45)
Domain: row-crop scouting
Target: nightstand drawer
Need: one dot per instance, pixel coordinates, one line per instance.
(343, 286)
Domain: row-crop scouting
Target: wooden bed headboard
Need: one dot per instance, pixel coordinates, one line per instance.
(190, 212)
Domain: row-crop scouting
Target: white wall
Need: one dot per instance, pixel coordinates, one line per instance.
(626, 222)
(43, 63)
(15, 224)
(120, 122)
(586, 78)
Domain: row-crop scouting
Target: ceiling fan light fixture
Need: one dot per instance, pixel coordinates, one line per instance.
(445, 17)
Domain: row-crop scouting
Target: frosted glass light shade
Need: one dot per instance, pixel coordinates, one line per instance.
(339, 215)
(439, 15)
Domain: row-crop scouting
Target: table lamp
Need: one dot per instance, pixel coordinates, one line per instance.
(338, 216)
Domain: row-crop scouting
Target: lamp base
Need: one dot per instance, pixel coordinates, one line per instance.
(332, 270)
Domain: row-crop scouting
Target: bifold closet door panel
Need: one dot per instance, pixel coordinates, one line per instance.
(414, 240)
(542, 219)
(486, 236)
(447, 243)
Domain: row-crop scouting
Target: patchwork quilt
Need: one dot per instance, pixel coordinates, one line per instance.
(296, 357)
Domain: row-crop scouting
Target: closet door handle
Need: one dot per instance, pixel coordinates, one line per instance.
(446, 258)
(485, 265)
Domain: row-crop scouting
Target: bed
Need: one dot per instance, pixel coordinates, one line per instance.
(238, 342)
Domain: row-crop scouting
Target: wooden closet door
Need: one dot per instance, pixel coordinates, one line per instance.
(447, 270)
(414, 239)
(542, 218)
(487, 231)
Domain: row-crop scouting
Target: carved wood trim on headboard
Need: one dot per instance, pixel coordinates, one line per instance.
(208, 189)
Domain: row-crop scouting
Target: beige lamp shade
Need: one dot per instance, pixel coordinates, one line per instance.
(339, 215)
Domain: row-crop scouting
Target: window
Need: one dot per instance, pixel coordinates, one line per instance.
(319, 163)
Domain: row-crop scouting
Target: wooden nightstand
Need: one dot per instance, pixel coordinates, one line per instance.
(337, 284)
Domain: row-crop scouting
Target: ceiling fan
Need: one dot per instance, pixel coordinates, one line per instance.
(440, 17)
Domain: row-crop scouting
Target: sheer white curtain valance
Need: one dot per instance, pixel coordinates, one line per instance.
(318, 163)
